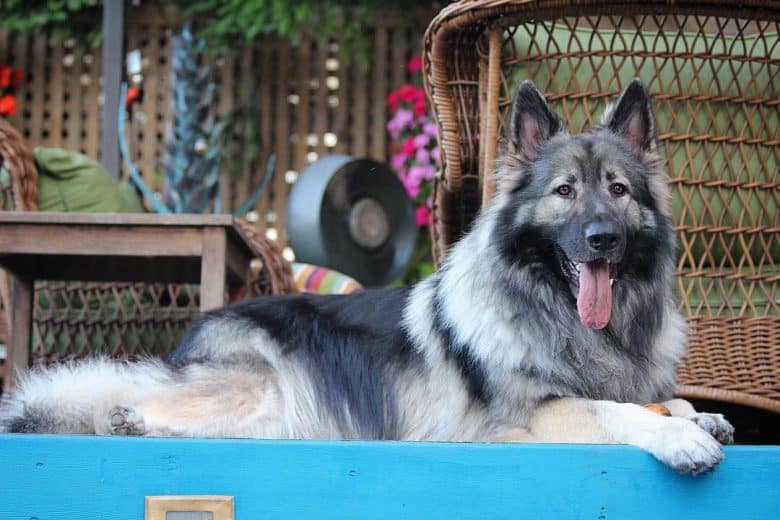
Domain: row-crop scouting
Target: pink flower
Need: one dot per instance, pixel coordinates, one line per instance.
(423, 156)
(405, 117)
(414, 64)
(421, 141)
(398, 161)
(417, 173)
(422, 173)
(400, 121)
(422, 216)
(430, 129)
(412, 187)
(436, 155)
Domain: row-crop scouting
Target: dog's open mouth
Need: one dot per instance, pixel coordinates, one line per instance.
(591, 283)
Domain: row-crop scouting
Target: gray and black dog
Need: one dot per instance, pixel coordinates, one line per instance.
(552, 320)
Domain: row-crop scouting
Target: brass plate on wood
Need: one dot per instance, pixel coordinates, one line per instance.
(176, 507)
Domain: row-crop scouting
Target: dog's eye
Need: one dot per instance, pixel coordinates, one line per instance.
(617, 189)
(563, 190)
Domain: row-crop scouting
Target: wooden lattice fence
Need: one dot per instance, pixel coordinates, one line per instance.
(304, 101)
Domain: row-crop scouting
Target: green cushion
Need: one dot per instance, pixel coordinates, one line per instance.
(6, 198)
(131, 198)
(710, 161)
(70, 181)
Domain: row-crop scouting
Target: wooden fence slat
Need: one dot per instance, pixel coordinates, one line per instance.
(22, 60)
(246, 92)
(342, 111)
(378, 95)
(320, 111)
(400, 55)
(75, 140)
(55, 105)
(265, 104)
(149, 145)
(227, 96)
(302, 126)
(92, 96)
(164, 105)
(282, 145)
(4, 47)
(38, 87)
(358, 104)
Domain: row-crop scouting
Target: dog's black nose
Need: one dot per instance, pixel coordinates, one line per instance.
(603, 236)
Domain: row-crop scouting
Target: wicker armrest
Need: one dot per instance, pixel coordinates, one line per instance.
(18, 161)
(273, 274)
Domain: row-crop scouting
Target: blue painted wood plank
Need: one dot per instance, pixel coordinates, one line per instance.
(71, 477)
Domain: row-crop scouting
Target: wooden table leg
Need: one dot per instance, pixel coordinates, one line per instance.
(18, 359)
(212, 269)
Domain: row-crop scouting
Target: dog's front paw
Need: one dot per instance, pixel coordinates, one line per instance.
(125, 420)
(716, 425)
(686, 447)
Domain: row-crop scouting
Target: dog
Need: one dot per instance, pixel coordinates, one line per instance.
(552, 320)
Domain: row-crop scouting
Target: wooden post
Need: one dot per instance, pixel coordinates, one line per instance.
(490, 141)
(113, 36)
(212, 269)
(21, 330)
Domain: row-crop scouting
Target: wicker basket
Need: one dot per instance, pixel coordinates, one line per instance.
(713, 69)
(125, 320)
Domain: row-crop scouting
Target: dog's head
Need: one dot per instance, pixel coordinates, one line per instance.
(590, 209)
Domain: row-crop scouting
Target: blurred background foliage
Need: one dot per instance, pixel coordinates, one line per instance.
(221, 22)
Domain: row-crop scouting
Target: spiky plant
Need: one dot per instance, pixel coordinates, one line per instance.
(192, 164)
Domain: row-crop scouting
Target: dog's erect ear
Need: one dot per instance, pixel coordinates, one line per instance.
(531, 122)
(631, 117)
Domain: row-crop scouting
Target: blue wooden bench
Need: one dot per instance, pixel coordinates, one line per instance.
(70, 477)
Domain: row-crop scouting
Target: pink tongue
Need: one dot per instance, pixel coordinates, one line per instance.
(594, 301)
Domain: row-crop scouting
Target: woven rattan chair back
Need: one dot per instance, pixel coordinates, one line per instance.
(713, 70)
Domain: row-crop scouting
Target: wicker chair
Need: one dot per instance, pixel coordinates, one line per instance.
(713, 69)
(119, 319)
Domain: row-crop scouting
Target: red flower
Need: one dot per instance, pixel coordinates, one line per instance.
(420, 108)
(6, 75)
(414, 64)
(392, 100)
(408, 93)
(133, 94)
(408, 147)
(422, 216)
(8, 106)
(18, 77)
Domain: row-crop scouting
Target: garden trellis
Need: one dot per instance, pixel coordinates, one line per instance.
(309, 101)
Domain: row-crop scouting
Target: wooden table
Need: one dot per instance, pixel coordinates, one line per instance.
(111, 247)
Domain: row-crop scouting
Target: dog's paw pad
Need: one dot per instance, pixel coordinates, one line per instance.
(716, 425)
(124, 420)
(687, 448)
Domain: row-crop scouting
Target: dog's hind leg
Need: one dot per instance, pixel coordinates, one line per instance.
(204, 401)
(68, 398)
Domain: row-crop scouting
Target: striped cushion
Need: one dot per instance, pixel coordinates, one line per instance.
(321, 280)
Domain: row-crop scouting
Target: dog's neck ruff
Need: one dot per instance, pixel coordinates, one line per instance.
(502, 319)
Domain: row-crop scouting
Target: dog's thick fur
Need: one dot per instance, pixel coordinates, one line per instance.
(490, 348)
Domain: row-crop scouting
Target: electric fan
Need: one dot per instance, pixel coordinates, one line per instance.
(354, 216)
